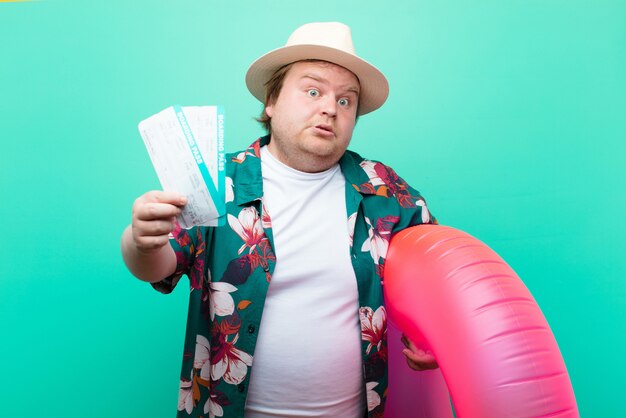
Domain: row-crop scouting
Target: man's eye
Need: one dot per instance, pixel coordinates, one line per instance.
(343, 102)
(313, 93)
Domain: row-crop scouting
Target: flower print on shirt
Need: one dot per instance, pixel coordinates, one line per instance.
(370, 169)
(189, 392)
(202, 356)
(383, 181)
(213, 408)
(425, 212)
(373, 398)
(185, 398)
(230, 192)
(202, 363)
(373, 326)
(197, 274)
(265, 217)
(222, 303)
(183, 239)
(240, 158)
(248, 226)
(378, 242)
(253, 150)
(229, 362)
(351, 223)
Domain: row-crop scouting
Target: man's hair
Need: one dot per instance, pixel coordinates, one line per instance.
(272, 89)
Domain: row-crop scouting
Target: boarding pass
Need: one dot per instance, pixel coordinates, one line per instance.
(186, 146)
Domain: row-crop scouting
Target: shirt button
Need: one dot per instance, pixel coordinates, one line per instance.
(266, 268)
(251, 329)
(241, 387)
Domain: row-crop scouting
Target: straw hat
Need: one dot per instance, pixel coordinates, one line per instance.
(327, 41)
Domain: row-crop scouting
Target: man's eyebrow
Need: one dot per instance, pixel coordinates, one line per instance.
(350, 87)
(354, 89)
(314, 77)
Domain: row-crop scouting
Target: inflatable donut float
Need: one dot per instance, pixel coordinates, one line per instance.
(454, 296)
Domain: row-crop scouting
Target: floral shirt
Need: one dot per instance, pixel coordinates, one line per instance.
(230, 268)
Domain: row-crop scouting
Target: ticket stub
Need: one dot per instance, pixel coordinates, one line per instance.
(186, 147)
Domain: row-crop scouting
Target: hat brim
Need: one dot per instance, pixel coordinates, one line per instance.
(374, 85)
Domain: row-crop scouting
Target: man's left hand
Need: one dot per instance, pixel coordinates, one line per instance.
(418, 359)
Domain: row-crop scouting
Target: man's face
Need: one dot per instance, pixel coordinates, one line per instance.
(313, 116)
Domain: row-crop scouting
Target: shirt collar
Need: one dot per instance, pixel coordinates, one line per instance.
(355, 174)
(249, 185)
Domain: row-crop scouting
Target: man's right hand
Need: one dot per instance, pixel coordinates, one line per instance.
(154, 217)
(145, 242)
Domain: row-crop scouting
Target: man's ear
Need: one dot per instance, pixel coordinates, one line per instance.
(269, 109)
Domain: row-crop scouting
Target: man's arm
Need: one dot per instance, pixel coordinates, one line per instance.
(145, 243)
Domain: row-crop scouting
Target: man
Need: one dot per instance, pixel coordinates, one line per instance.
(292, 284)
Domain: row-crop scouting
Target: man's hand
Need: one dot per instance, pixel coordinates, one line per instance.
(154, 217)
(145, 242)
(418, 359)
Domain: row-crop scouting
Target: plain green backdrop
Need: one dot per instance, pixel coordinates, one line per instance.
(508, 116)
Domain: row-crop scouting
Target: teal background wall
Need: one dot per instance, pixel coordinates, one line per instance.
(508, 116)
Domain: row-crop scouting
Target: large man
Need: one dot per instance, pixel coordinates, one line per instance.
(286, 314)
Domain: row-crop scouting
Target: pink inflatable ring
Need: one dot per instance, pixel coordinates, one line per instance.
(454, 296)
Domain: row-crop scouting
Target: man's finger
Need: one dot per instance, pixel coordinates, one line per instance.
(160, 196)
(152, 211)
(405, 341)
(149, 244)
(419, 356)
(153, 228)
(420, 361)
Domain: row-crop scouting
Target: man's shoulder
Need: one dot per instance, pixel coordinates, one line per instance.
(374, 178)
(361, 169)
(357, 160)
(253, 150)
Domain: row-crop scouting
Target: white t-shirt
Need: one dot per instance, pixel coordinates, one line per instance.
(307, 361)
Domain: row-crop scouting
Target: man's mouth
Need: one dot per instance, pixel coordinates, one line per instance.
(326, 128)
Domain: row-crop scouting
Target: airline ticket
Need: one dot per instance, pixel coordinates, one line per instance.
(186, 147)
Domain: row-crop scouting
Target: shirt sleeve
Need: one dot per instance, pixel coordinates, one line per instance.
(410, 200)
(422, 214)
(188, 244)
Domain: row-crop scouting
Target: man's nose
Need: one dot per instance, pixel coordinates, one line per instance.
(329, 105)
